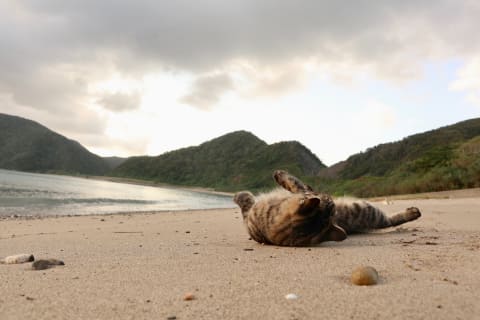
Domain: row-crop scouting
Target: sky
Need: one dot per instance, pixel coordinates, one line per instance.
(144, 77)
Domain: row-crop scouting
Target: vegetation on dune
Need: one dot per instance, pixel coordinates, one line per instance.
(443, 159)
(384, 158)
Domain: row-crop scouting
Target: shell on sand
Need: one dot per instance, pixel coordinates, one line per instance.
(291, 296)
(18, 258)
(364, 276)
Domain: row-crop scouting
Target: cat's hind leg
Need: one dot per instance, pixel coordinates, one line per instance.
(409, 214)
(361, 216)
(290, 183)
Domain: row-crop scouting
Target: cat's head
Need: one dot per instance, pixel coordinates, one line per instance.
(245, 200)
(318, 210)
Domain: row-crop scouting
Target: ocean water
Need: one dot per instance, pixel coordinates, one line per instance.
(31, 194)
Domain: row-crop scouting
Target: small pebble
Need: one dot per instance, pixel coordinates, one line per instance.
(18, 258)
(46, 264)
(188, 296)
(291, 296)
(364, 276)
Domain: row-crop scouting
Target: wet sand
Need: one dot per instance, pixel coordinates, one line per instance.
(140, 266)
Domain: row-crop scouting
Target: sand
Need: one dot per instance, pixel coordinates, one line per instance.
(141, 266)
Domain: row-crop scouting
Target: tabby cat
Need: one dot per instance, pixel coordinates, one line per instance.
(298, 216)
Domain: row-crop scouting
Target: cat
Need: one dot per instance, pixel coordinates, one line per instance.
(298, 216)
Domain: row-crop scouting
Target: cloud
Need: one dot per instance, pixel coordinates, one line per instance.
(119, 101)
(378, 115)
(206, 90)
(84, 121)
(264, 81)
(247, 80)
(200, 37)
(53, 50)
(468, 80)
(115, 146)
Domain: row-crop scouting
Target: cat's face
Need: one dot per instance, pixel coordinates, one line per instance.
(315, 214)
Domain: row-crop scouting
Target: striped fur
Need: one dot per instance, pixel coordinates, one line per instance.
(287, 219)
(359, 216)
(297, 216)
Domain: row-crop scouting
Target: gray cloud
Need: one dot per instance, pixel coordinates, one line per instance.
(196, 35)
(200, 35)
(71, 122)
(51, 50)
(120, 146)
(207, 90)
(119, 102)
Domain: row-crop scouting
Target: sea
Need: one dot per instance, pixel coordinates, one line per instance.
(33, 194)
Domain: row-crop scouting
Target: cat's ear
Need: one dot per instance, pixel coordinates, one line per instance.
(308, 205)
(335, 233)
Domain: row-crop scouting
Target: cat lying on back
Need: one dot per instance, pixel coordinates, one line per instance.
(298, 216)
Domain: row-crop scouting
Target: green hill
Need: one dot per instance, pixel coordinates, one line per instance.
(441, 159)
(26, 145)
(237, 160)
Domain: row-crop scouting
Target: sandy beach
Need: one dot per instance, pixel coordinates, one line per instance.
(140, 266)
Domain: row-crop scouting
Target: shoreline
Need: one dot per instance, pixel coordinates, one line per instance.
(388, 200)
(446, 194)
(101, 215)
(155, 184)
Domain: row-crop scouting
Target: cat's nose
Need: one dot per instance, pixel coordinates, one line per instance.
(277, 173)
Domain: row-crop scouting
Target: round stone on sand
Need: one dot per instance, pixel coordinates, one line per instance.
(189, 296)
(364, 276)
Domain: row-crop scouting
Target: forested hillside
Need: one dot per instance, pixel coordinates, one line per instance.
(237, 160)
(441, 159)
(26, 145)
